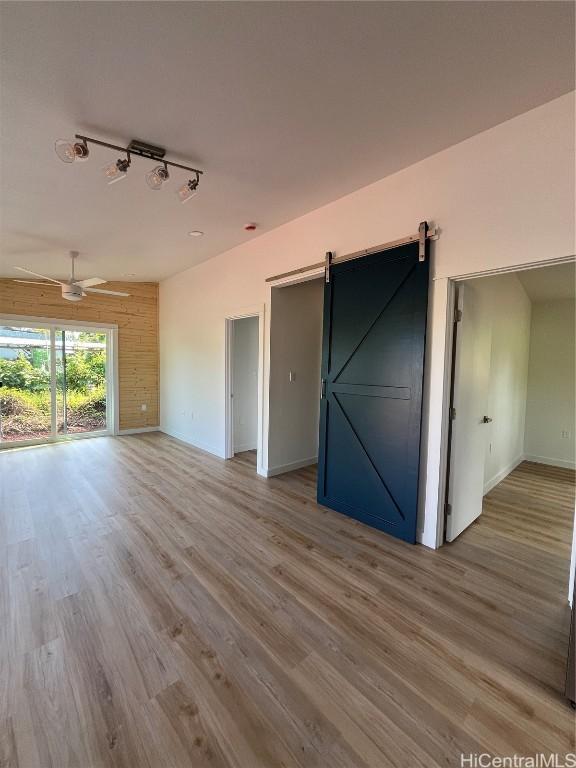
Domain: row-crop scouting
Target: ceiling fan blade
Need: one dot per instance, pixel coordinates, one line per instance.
(89, 282)
(109, 293)
(37, 274)
(31, 282)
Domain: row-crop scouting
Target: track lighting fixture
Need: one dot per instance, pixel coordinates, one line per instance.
(69, 151)
(157, 176)
(116, 171)
(187, 191)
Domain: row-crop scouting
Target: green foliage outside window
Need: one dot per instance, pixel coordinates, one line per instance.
(22, 374)
(25, 400)
(85, 371)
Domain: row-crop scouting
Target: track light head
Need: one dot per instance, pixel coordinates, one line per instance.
(69, 151)
(157, 176)
(187, 191)
(116, 171)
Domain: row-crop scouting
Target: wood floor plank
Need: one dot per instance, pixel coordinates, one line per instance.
(163, 608)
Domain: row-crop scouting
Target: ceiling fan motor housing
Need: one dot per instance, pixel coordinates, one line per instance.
(71, 292)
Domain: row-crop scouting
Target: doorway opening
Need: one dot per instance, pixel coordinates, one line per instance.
(512, 392)
(243, 395)
(511, 477)
(295, 375)
(56, 382)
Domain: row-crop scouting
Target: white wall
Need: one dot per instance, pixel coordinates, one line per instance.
(295, 346)
(502, 198)
(245, 383)
(551, 384)
(509, 317)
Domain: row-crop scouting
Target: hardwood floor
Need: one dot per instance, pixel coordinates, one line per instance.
(161, 607)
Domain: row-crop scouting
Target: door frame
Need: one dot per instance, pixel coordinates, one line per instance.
(112, 394)
(257, 311)
(436, 511)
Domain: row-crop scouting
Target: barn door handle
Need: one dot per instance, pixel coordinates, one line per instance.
(486, 420)
(323, 388)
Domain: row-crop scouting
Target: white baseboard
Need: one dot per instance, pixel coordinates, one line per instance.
(245, 447)
(137, 430)
(564, 463)
(499, 476)
(194, 443)
(280, 469)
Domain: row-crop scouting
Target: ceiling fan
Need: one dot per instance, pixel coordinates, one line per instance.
(72, 290)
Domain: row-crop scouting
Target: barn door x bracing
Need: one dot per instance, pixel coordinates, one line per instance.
(372, 370)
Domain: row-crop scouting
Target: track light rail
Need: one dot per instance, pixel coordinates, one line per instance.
(140, 149)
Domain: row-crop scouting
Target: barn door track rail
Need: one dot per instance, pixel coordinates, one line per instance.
(425, 232)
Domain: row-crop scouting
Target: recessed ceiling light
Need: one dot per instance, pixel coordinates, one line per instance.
(195, 233)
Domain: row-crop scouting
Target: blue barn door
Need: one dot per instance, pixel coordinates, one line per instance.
(372, 371)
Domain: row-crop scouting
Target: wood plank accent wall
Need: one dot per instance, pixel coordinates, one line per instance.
(137, 319)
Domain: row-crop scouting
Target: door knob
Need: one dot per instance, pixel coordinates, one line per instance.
(486, 420)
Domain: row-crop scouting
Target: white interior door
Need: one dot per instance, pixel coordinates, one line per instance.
(470, 401)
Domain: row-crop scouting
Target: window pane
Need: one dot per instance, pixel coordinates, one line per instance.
(80, 381)
(25, 404)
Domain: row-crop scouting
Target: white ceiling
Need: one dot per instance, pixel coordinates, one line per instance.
(549, 283)
(285, 105)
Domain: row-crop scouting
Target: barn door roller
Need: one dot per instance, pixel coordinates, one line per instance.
(422, 232)
(327, 265)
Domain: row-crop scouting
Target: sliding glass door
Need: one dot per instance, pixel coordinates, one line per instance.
(81, 400)
(54, 382)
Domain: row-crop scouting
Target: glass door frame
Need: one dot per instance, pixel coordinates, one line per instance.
(51, 324)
